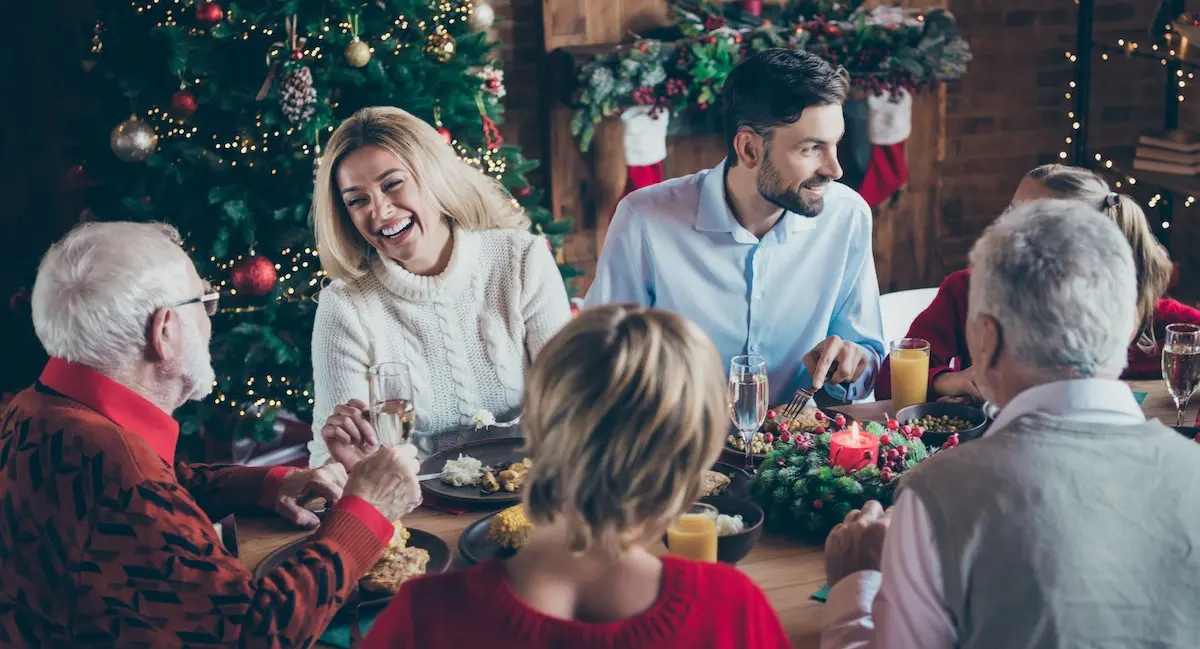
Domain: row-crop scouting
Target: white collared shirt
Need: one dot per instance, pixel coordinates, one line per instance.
(907, 610)
(677, 246)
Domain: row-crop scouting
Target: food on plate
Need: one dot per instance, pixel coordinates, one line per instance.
(509, 479)
(483, 419)
(397, 564)
(943, 424)
(807, 421)
(727, 525)
(714, 483)
(463, 472)
(387, 574)
(758, 446)
(510, 527)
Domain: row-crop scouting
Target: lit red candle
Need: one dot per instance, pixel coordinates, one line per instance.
(853, 449)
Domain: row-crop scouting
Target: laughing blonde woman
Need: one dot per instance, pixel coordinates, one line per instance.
(433, 267)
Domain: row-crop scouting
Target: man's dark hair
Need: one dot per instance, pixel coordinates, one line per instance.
(773, 87)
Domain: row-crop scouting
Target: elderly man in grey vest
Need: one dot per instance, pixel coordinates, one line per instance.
(1072, 522)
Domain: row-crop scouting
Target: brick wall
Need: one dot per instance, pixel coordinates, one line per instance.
(1009, 113)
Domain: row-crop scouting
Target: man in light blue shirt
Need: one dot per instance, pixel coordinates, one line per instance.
(764, 251)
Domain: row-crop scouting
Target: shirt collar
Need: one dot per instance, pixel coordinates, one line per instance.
(713, 213)
(122, 406)
(1089, 400)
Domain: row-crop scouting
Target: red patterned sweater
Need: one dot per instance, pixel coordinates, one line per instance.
(103, 543)
(944, 324)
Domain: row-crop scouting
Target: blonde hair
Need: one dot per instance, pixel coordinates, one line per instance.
(465, 195)
(1149, 256)
(625, 409)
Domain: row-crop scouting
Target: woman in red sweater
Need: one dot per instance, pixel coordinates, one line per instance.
(625, 410)
(944, 322)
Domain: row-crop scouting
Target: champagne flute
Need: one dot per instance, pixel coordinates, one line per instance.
(1181, 365)
(392, 412)
(748, 399)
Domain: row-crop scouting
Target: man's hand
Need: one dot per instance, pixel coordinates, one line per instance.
(299, 487)
(958, 384)
(857, 542)
(388, 480)
(349, 435)
(852, 361)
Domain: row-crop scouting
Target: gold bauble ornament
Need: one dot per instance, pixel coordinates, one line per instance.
(357, 53)
(440, 46)
(482, 17)
(133, 140)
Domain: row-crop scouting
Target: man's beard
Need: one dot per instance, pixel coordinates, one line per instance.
(770, 187)
(198, 374)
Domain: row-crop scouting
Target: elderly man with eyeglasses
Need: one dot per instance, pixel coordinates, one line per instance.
(104, 539)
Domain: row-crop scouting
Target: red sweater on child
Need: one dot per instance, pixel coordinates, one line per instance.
(944, 325)
(103, 543)
(702, 605)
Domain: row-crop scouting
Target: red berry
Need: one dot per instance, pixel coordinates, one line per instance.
(817, 504)
(885, 439)
(885, 474)
(866, 455)
(893, 454)
(906, 430)
(781, 461)
(839, 419)
(768, 438)
(783, 427)
(917, 432)
(784, 436)
(804, 446)
(770, 414)
(903, 450)
(892, 424)
(820, 430)
(820, 416)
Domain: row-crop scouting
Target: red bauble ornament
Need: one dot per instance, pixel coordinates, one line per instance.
(523, 191)
(818, 503)
(445, 133)
(255, 276)
(209, 13)
(296, 55)
(183, 103)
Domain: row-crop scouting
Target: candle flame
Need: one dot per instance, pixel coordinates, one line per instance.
(854, 431)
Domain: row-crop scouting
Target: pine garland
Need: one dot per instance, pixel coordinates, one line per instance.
(802, 495)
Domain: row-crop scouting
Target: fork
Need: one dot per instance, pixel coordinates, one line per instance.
(802, 397)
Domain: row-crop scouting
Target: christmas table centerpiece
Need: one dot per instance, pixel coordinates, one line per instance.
(809, 481)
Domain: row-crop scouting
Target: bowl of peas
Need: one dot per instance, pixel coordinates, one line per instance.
(941, 420)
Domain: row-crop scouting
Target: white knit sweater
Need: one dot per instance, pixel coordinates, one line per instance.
(467, 335)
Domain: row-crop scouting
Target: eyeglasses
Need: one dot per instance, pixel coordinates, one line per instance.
(209, 299)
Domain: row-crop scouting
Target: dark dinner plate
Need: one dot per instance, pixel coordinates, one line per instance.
(739, 483)
(1189, 432)
(492, 452)
(475, 546)
(439, 561)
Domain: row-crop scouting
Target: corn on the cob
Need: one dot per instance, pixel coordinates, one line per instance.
(510, 527)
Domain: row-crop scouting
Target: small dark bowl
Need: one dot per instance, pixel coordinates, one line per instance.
(967, 413)
(734, 547)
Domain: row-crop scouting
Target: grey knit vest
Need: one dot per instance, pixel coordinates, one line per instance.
(1060, 534)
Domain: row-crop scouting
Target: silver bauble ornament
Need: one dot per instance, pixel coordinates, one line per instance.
(482, 18)
(357, 53)
(133, 140)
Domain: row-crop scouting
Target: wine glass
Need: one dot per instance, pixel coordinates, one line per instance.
(748, 399)
(391, 404)
(1181, 365)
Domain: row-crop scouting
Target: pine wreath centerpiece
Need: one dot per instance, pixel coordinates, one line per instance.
(808, 484)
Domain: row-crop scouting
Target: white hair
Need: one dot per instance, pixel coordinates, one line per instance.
(1059, 278)
(97, 288)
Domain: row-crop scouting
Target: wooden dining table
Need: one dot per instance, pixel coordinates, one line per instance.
(789, 572)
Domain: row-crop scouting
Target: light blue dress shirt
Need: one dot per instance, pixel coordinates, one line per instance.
(677, 246)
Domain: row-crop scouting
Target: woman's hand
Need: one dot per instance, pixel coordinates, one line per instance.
(957, 384)
(349, 435)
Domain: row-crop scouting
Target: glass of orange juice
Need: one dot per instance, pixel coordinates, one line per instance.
(910, 372)
(694, 534)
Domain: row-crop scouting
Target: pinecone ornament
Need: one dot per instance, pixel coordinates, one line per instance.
(297, 96)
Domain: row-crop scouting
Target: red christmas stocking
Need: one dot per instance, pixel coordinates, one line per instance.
(645, 143)
(889, 123)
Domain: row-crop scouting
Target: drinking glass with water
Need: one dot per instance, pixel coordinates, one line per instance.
(391, 403)
(748, 399)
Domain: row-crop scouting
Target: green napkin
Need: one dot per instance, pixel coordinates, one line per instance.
(338, 633)
(823, 594)
(1140, 396)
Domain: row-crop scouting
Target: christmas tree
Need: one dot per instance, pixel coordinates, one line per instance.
(218, 115)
